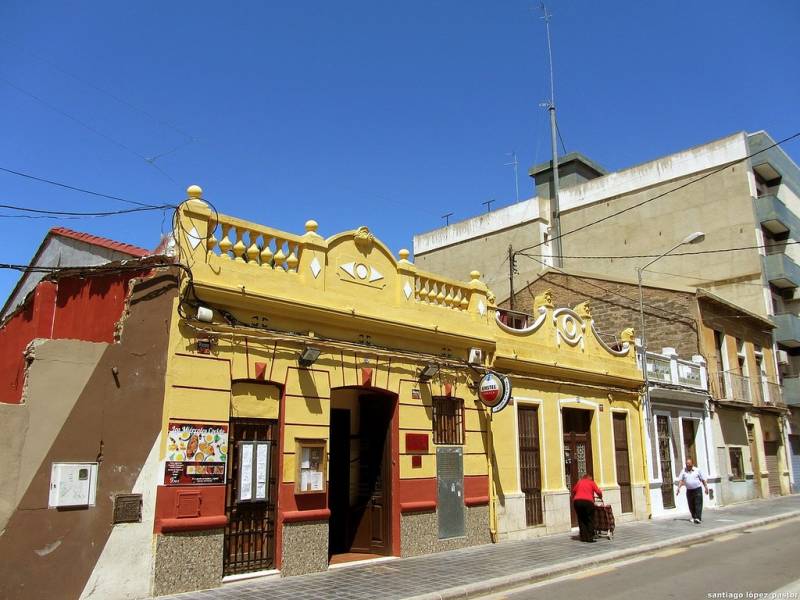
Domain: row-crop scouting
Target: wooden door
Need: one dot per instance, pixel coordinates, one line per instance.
(530, 472)
(249, 539)
(339, 486)
(754, 465)
(371, 513)
(623, 461)
(773, 473)
(577, 449)
(689, 436)
(665, 458)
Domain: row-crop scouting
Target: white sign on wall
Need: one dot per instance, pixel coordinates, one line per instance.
(73, 484)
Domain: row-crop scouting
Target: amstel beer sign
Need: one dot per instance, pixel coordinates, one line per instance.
(494, 391)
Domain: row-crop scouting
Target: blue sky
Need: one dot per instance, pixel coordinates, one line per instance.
(385, 114)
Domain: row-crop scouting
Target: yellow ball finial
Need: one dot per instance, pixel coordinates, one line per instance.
(194, 191)
(475, 274)
(311, 226)
(404, 254)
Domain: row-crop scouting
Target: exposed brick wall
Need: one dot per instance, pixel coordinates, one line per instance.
(670, 316)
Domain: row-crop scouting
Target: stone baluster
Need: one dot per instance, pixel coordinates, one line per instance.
(239, 248)
(225, 243)
(253, 249)
(280, 255)
(266, 251)
(292, 260)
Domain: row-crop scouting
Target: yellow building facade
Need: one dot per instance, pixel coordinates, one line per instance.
(322, 406)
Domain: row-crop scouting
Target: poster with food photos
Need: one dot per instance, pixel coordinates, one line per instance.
(197, 453)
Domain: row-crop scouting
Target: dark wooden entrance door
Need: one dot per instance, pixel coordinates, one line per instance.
(530, 472)
(339, 487)
(371, 513)
(665, 458)
(577, 448)
(773, 472)
(623, 461)
(249, 541)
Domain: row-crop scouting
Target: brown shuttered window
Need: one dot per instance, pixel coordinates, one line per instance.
(448, 420)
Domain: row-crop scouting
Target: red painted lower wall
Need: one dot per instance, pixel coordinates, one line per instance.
(187, 508)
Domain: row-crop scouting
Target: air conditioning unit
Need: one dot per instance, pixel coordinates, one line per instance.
(783, 357)
(475, 356)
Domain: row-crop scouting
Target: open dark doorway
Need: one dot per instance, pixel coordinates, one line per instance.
(360, 475)
(577, 424)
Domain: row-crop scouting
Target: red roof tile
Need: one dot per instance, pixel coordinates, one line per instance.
(101, 241)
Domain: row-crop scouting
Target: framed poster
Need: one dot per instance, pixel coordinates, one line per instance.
(254, 466)
(311, 462)
(197, 453)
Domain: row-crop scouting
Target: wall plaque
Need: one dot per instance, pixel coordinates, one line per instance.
(127, 508)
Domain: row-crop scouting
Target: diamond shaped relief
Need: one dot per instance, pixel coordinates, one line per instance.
(315, 267)
(407, 290)
(194, 238)
(481, 308)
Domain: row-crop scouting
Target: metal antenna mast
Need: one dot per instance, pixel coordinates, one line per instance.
(515, 163)
(555, 215)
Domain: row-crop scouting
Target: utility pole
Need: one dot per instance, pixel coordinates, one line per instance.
(515, 163)
(511, 268)
(555, 214)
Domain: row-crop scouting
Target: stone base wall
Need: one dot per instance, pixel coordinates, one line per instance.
(305, 548)
(419, 532)
(187, 561)
(513, 526)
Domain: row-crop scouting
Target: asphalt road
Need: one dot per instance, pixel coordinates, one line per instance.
(763, 560)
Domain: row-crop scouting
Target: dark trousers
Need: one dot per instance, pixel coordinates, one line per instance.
(695, 500)
(585, 511)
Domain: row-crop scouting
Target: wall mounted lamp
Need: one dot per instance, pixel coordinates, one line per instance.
(308, 356)
(428, 373)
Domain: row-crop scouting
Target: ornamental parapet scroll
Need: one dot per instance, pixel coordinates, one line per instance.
(570, 326)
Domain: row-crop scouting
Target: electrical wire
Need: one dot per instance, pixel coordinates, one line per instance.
(74, 188)
(681, 318)
(61, 213)
(690, 253)
(662, 195)
(86, 126)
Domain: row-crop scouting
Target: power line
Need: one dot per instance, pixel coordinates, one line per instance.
(690, 253)
(563, 145)
(60, 213)
(111, 95)
(87, 126)
(612, 292)
(74, 188)
(680, 187)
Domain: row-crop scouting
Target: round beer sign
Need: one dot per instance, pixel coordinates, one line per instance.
(490, 389)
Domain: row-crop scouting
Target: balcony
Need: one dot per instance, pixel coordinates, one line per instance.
(732, 387)
(767, 394)
(787, 329)
(791, 391)
(774, 215)
(782, 271)
(662, 368)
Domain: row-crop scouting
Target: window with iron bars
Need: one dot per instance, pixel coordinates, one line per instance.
(448, 420)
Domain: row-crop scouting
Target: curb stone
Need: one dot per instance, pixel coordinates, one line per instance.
(506, 582)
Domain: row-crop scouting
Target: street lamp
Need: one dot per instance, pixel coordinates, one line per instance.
(692, 238)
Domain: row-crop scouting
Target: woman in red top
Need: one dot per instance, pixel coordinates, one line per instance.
(583, 494)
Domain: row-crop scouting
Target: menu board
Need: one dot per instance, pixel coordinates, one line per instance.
(311, 467)
(197, 453)
(253, 471)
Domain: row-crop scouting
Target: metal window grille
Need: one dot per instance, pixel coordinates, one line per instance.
(448, 420)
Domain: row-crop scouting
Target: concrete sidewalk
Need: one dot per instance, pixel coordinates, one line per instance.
(483, 569)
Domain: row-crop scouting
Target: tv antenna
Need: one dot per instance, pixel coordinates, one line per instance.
(447, 218)
(488, 204)
(515, 163)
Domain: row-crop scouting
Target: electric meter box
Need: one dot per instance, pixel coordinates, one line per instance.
(73, 484)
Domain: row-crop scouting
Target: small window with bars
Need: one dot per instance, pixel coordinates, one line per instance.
(448, 420)
(737, 464)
